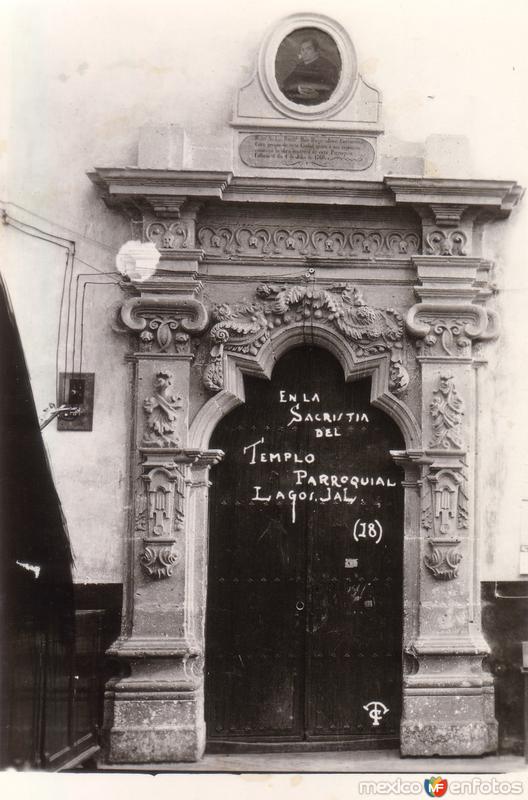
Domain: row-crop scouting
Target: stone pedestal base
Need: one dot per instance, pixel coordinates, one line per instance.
(151, 720)
(457, 739)
(447, 723)
(153, 730)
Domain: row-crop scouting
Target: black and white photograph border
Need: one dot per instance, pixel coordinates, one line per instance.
(90, 88)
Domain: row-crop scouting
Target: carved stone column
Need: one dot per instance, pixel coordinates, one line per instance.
(448, 697)
(154, 712)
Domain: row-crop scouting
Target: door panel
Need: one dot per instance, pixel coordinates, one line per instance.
(305, 571)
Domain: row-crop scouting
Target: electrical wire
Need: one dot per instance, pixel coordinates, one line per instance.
(20, 226)
(86, 283)
(68, 310)
(76, 303)
(9, 220)
(77, 234)
(71, 257)
(59, 328)
(39, 230)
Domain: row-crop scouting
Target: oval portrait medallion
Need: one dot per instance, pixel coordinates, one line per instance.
(308, 66)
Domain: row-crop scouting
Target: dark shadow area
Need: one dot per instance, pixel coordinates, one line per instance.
(505, 627)
(52, 635)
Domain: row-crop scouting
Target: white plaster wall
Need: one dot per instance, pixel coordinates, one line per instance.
(85, 75)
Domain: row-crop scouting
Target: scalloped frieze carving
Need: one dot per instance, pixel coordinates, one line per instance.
(446, 410)
(162, 410)
(245, 327)
(229, 241)
(444, 243)
(444, 559)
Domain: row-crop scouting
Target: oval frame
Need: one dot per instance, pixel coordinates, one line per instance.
(348, 78)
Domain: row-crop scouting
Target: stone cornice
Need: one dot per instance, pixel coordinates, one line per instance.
(458, 194)
(160, 183)
(155, 190)
(314, 191)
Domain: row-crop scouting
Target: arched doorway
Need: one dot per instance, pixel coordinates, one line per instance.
(304, 613)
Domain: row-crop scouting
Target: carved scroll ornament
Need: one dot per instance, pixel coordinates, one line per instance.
(442, 243)
(448, 329)
(168, 235)
(444, 559)
(245, 327)
(158, 560)
(164, 322)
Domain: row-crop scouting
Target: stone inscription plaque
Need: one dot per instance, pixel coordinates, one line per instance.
(307, 151)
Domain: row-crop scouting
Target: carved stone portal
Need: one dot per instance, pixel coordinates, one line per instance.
(387, 231)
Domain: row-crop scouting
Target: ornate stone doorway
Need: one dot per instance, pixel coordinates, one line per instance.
(235, 290)
(305, 585)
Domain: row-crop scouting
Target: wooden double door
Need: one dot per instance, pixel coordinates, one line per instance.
(304, 614)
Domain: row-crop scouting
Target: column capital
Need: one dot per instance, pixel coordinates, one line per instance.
(164, 316)
(452, 211)
(450, 316)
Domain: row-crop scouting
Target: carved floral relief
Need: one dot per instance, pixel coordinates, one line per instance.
(245, 327)
(162, 410)
(446, 411)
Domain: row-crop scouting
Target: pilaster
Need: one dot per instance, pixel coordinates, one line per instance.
(154, 712)
(448, 705)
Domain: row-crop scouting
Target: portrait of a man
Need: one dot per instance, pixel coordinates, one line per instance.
(308, 66)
